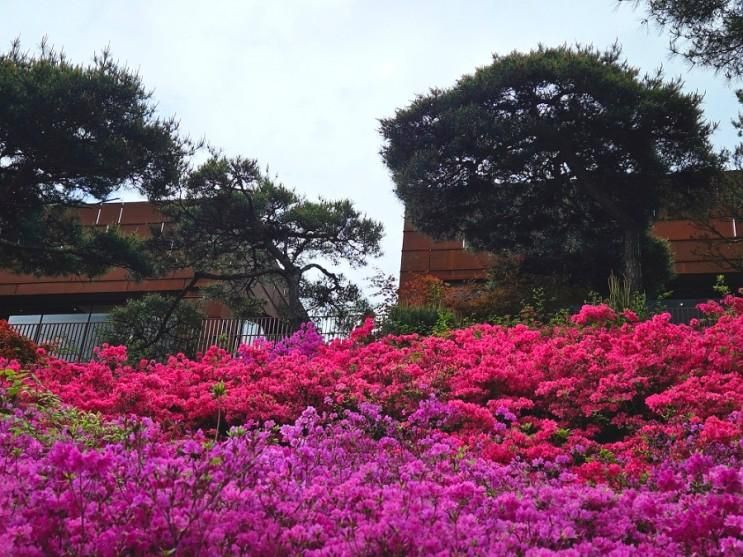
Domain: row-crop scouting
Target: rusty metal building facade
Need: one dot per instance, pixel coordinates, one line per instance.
(69, 295)
(695, 267)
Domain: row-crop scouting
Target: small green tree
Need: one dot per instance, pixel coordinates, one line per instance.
(72, 134)
(406, 320)
(152, 328)
(234, 225)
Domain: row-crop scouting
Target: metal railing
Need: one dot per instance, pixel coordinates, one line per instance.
(74, 341)
(683, 314)
(231, 333)
(682, 311)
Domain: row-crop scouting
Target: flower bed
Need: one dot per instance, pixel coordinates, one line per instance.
(345, 485)
(610, 436)
(629, 391)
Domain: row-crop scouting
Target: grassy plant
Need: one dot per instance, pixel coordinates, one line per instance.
(218, 392)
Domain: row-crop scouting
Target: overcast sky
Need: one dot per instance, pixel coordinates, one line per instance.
(300, 85)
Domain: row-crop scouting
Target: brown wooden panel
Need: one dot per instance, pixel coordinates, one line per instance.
(449, 245)
(7, 289)
(87, 215)
(692, 250)
(140, 213)
(440, 260)
(702, 267)
(413, 240)
(69, 287)
(136, 218)
(448, 261)
(156, 285)
(6, 277)
(452, 275)
(45, 288)
(12, 278)
(461, 274)
(417, 261)
(110, 213)
(683, 229)
(467, 260)
(95, 287)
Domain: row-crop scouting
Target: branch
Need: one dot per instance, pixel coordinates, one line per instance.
(715, 243)
(587, 185)
(322, 269)
(238, 276)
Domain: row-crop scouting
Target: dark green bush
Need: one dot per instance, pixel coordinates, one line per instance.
(139, 325)
(403, 320)
(657, 265)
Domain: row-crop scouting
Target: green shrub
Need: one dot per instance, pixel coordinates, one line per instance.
(61, 421)
(657, 265)
(138, 323)
(404, 320)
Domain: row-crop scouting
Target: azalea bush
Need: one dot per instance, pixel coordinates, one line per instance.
(14, 346)
(345, 483)
(621, 391)
(607, 435)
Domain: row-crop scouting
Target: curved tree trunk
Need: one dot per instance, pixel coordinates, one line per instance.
(295, 312)
(632, 258)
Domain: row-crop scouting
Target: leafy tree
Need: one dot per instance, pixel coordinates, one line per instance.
(234, 225)
(141, 325)
(706, 32)
(554, 153)
(710, 33)
(71, 134)
(384, 290)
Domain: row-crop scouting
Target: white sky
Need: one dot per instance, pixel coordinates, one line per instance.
(300, 85)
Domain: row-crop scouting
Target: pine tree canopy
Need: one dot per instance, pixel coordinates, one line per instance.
(235, 226)
(73, 134)
(705, 32)
(555, 152)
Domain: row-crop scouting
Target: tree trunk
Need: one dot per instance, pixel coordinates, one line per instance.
(296, 314)
(633, 258)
